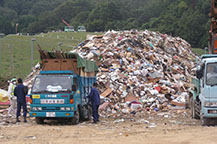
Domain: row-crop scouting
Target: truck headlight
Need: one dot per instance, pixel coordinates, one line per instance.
(68, 108)
(62, 108)
(40, 108)
(210, 104)
(34, 108)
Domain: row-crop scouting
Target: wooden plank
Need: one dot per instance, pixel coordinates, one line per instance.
(50, 64)
(106, 92)
(177, 104)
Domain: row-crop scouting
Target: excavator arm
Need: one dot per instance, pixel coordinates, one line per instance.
(213, 28)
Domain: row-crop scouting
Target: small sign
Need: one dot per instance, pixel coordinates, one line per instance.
(35, 96)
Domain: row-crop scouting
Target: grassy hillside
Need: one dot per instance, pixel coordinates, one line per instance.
(198, 51)
(16, 50)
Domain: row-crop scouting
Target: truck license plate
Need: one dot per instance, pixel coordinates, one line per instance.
(50, 114)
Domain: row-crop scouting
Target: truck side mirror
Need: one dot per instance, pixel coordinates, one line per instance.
(199, 74)
(74, 88)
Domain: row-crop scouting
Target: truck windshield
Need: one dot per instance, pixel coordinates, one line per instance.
(52, 84)
(211, 74)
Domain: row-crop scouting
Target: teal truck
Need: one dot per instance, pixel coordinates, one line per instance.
(60, 90)
(203, 95)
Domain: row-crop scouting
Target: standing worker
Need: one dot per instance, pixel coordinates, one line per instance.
(94, 98)
(20, 92)
(12, 98)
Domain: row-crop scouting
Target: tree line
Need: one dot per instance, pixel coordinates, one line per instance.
(185, 18)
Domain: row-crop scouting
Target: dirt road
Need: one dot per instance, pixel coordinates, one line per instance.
(152, 128)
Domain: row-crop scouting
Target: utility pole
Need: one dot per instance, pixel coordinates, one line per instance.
(0, 52)
(1, 48)
(12, 59)
(17, 27)
(32, 52)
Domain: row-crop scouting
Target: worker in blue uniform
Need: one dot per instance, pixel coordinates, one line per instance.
(20, 93)
(94, 98)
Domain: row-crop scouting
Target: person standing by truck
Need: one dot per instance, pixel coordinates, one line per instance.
(12, 98)
(20, 92)
(94, 98)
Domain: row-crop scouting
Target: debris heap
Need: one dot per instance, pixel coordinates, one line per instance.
(140, 70)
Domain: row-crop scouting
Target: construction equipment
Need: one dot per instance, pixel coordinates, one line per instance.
(213, 28)
(203, 95)
(68, 28)
(81, 29)
(60, 90)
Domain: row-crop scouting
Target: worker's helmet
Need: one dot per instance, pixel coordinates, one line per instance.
(13, 79)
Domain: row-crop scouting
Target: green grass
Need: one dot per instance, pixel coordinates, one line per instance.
(198, 51)
(16, 50)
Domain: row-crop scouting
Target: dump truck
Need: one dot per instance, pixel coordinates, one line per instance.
(60, 90)
(203, 95)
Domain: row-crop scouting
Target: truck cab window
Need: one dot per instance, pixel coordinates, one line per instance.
(211, 74)
(52, 83)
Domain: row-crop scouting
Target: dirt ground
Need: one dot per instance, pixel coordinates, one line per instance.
(152, 128)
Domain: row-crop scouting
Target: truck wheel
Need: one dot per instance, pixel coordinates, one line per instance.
(193, 109)
(85, 113)
(39, 120)
(76, 117)
(204, 121)
(89, 113)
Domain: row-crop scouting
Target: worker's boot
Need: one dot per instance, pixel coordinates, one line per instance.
(25, 119)
(18, 119)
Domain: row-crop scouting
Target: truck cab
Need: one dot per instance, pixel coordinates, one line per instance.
(203, 96)
(81, 29)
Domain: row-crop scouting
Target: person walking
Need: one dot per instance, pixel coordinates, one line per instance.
(21, 93)
(94, 98)
(12, 98)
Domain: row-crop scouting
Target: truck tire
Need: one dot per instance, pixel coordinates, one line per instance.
(89, 113)
(204, 121)
(85, 115)
(76, 117)
(193, 109)
(39, 120)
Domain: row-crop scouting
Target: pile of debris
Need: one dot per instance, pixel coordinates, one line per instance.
(140, 70)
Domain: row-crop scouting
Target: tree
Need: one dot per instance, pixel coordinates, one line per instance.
(24, 22)
(5, 26)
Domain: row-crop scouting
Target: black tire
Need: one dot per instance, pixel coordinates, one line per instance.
(85, 113)
(39, 120)
(76, 117)
(89, 113)
(193, 109)
(204, 121)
